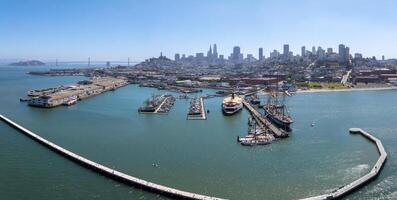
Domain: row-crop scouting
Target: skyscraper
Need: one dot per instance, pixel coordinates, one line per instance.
(303, 51)
(314, 50)
(215, 53)
(209, 54)
(342, 52)
(260, 55)
(237, 57)
(236, 50)
(321, 53)
(347, 55)
(286, 50)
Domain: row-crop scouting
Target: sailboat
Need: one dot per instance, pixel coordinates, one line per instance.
(276, 111)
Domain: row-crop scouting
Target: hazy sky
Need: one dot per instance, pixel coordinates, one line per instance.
(117, 29)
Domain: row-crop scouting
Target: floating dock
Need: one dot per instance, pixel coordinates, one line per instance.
(160, 104)
(114, 174)
(197, 110)
(277, 132)
(346, 189)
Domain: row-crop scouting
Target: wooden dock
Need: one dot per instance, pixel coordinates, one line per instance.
(114, 174)
(263, 121)
(346, 189)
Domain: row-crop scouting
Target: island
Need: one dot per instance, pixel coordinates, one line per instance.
(28, 63)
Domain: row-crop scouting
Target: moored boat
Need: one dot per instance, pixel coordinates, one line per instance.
(277, 113)
(232, 104)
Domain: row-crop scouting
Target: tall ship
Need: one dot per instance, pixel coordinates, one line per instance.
(276, 111)
(232, 104)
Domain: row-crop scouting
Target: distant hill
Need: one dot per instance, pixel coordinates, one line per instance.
(28, 63)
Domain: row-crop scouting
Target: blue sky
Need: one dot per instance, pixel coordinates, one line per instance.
(117, 29)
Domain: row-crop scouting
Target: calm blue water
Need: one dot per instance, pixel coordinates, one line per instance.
(197, 156)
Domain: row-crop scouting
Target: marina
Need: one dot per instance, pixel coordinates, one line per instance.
(219, 133)
(198, 100)
(197, 109)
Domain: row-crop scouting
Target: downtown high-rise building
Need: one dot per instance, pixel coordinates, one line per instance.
(209, 53)
(303, 51)
(344, 53)
(321, 53)
(260, 54)
(236, 57)
(286, 50)
(314, 50)
(215, 53)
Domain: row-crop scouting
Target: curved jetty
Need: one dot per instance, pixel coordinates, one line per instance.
(346, 189)
(116, 175)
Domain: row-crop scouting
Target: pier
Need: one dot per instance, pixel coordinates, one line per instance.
(67, 95)
(277, 132)
(111, 173)
(346, 189)
(197, 109)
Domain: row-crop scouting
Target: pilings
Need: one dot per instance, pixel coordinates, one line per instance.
(114, 174)
(346, 189)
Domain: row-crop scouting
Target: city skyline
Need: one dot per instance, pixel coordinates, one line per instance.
(139, 30)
